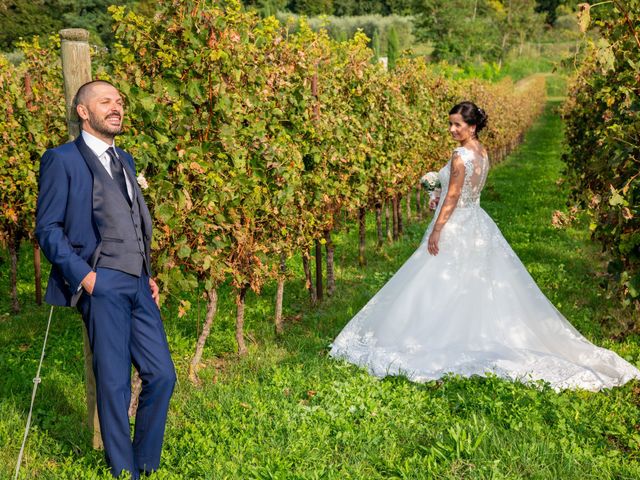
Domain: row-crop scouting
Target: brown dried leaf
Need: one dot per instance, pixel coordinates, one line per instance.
(584, 16)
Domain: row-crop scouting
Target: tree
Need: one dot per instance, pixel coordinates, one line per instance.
(25, 18)
(518, 22)
(92, 15)
(463, 31)
(266, 7)
(459, 30)
(393, 48)
(360, 7)
(375, 45)
(311, 7)
(548, 7)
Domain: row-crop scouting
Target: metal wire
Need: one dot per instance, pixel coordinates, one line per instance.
(36, 382)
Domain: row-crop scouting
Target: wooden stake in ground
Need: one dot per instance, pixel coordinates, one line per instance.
(379, 225)
(212, 307)
(240, 302)
(319, 287)
(331, 278)
(136, 388)
(309, 283)
(37, 277)
(400, 222)
(279, 324)
(76, 71)
(37, 272)
(362, 235)
(394, 209)
(387, 220)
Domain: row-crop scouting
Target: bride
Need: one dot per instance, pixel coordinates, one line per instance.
(464, 303)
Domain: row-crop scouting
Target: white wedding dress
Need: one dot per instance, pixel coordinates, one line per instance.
(473, 309)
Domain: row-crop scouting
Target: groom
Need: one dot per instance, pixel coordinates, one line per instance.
(94, 227)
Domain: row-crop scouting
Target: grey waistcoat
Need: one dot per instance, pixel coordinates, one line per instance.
(125, 230)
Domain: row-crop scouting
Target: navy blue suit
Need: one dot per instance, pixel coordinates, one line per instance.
(64, 220)
(122, 319)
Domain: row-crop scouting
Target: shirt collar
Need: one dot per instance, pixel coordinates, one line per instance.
(98, 146)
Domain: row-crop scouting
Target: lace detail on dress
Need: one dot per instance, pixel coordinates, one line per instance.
(476, 168)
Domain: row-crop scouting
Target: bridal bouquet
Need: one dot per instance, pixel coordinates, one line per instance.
(430, 181)
(431, 184)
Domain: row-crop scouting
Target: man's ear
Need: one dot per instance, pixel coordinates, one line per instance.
(82, 111)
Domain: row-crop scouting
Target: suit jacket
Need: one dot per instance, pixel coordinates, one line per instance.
(65, 227)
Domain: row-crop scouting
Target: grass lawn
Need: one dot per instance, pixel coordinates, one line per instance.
(287, 411)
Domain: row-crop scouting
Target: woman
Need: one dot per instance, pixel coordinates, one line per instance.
(464, 303)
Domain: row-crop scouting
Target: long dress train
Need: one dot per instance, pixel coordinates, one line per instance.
(473, 309)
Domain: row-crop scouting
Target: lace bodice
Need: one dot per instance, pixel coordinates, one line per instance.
(476, 168)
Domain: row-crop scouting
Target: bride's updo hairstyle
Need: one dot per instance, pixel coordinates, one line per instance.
(471, 114)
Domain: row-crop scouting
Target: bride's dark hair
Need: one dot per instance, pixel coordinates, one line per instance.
(471, 114)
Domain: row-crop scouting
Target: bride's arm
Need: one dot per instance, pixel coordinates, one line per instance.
(456, 180)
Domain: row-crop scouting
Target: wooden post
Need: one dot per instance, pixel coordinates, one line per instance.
(400, 222)
(394, 208)
(379, 224)
(37, 271)
(331, 278)
(28, 95)
(362, 235)
(319, 288)
(310, 284)
(279, 324)
(76, 71)
(316, 117)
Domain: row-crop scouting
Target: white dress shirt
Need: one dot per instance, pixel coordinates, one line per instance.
(99, 147)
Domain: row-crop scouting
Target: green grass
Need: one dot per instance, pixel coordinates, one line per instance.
(287, 411)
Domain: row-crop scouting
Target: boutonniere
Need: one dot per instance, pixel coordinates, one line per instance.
(142, 182)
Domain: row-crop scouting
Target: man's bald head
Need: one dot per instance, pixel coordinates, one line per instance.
(85, 91)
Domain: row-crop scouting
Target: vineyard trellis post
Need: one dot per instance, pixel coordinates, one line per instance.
(37, 271)
(318, 246)
(76, 70)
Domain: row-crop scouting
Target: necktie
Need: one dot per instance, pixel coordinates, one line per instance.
(117, 172)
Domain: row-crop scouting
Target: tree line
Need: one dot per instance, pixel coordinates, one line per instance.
(443, 22)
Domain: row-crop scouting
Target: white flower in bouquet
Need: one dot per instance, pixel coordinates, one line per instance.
(142, 182)
(430, 181)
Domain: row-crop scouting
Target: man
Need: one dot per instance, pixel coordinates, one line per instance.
(94, 227)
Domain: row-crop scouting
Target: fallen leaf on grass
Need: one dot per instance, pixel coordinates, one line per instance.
(560, 219)
(293, 318)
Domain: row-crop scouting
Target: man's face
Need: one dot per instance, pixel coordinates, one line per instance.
(102, 111)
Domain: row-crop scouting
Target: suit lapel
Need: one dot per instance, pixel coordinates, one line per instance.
(89, 157)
